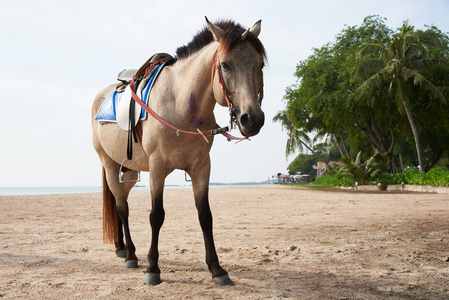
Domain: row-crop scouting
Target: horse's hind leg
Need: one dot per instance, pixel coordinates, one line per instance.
(120, 248)
(120, 192)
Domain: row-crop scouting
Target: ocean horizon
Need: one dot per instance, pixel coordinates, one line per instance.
(15, 191)
(50, 190)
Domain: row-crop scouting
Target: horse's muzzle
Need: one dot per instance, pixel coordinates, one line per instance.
(250, 123)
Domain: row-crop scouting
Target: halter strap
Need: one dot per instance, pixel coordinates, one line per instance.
(212, 132)
(220, 79)
(223, 85)
(223, 130)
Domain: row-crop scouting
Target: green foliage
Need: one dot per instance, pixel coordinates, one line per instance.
(353, 171)
(328, 151)
(296, 137)
(334, 180)
(436, 176)
(397, 63)
(359, 171)
(444, 163)
(323, 102)
(303, 164)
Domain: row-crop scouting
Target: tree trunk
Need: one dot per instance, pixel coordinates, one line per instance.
(415, 134)
(314, 153)
(402, 163)
(343, 144)
(339, 146)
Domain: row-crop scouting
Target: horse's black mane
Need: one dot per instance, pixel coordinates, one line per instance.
(233, 32)
(204, 37)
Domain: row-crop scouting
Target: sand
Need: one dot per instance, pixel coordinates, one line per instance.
(275, 241)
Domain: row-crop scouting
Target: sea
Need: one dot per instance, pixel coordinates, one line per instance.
(11, 191)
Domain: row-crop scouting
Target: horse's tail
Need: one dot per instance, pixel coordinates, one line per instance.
(110, 215)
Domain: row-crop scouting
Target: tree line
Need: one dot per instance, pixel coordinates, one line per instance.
(375, 91)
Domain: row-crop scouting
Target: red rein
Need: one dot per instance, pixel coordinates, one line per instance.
(199, 133)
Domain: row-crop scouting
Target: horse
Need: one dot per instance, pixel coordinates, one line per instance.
(222, 64)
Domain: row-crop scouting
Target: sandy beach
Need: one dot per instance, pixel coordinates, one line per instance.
(276, 242)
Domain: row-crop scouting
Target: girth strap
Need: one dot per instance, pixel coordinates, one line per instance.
(132, 125)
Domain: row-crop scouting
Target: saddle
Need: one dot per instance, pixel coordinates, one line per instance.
(118, 105)
(125, 76)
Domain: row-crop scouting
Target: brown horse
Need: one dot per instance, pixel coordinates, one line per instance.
(222, 64)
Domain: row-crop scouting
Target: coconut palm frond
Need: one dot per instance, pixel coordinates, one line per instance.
(413, 51)
(358, 158)
(406, 53)
(423, 63)
(369, 49)
(410, 35)
(408, 73)
(281, 117)
(373, 81)
(368, 67)
(296, 138)
(422, 81)
(304, 137)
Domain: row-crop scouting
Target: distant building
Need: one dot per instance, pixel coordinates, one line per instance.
(321, 167)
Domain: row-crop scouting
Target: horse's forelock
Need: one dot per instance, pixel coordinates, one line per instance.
(234, 36)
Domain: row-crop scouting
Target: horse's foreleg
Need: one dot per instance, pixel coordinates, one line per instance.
(157, 216)
(200, 184)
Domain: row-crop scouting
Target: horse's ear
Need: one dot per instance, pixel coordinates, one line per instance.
(217, 32)
(256, 28)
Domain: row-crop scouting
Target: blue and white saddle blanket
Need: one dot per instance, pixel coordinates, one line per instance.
(116, 105)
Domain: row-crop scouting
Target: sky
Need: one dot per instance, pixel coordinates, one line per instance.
(55, 56)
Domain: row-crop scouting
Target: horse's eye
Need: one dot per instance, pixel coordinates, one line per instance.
(225, 66)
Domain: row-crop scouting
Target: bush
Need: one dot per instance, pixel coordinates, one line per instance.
(334, 180)
(436, 176)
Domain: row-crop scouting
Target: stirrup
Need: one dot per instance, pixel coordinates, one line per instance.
(187, 177)
(120, 172)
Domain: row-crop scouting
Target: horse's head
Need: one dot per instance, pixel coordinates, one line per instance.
(237, 75)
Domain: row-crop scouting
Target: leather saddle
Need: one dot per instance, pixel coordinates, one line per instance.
(116, 107)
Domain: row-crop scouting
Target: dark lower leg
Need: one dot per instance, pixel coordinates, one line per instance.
(130, 248)
(120, 245)
(123, 213)
(157, 217)
(205, 218)
(200, 183)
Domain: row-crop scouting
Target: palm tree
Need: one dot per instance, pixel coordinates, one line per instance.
(398, 62)
(361, 172)
(296, 138)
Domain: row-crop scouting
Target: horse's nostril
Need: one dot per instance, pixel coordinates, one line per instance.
(245, 121)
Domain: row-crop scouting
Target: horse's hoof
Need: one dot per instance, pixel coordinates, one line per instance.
(121, 253)
(223, 280)
(152, 278)
(131, 264)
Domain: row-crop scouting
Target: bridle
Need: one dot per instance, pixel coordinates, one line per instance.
(223, 130)
(217, 67)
